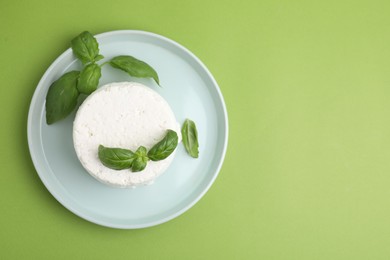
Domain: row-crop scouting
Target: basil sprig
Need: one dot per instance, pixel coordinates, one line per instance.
(141, 159)
(61, 99)
(119, 159)
(190, 138)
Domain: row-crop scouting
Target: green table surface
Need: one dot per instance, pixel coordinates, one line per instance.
(307, 171)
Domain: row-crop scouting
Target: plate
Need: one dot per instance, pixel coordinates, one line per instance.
(191, 91)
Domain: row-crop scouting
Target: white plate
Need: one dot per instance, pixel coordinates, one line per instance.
(192, 93)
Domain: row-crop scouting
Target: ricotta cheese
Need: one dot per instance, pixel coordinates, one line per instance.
(122, 115)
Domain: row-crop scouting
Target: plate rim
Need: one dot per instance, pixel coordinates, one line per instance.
(57, 195)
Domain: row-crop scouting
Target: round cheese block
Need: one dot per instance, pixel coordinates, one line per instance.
(122, 115)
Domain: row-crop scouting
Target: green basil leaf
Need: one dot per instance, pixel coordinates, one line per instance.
(134, 67)
(86, 48)
(190, 138)
(116, 158)
(61, 99)
(165, 147)
(141, 159)
(89, 78)
(99, 57)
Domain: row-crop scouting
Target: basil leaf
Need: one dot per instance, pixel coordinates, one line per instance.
(135, 68)
(190, 138)
(141, 159)
(165, 147)
(89, 78)
(116, 158)
(61, 99)
(86, 48)
(99, 57)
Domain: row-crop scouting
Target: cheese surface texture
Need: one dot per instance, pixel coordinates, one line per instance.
(122, 115)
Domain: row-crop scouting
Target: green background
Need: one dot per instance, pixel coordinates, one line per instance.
(307, 171)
